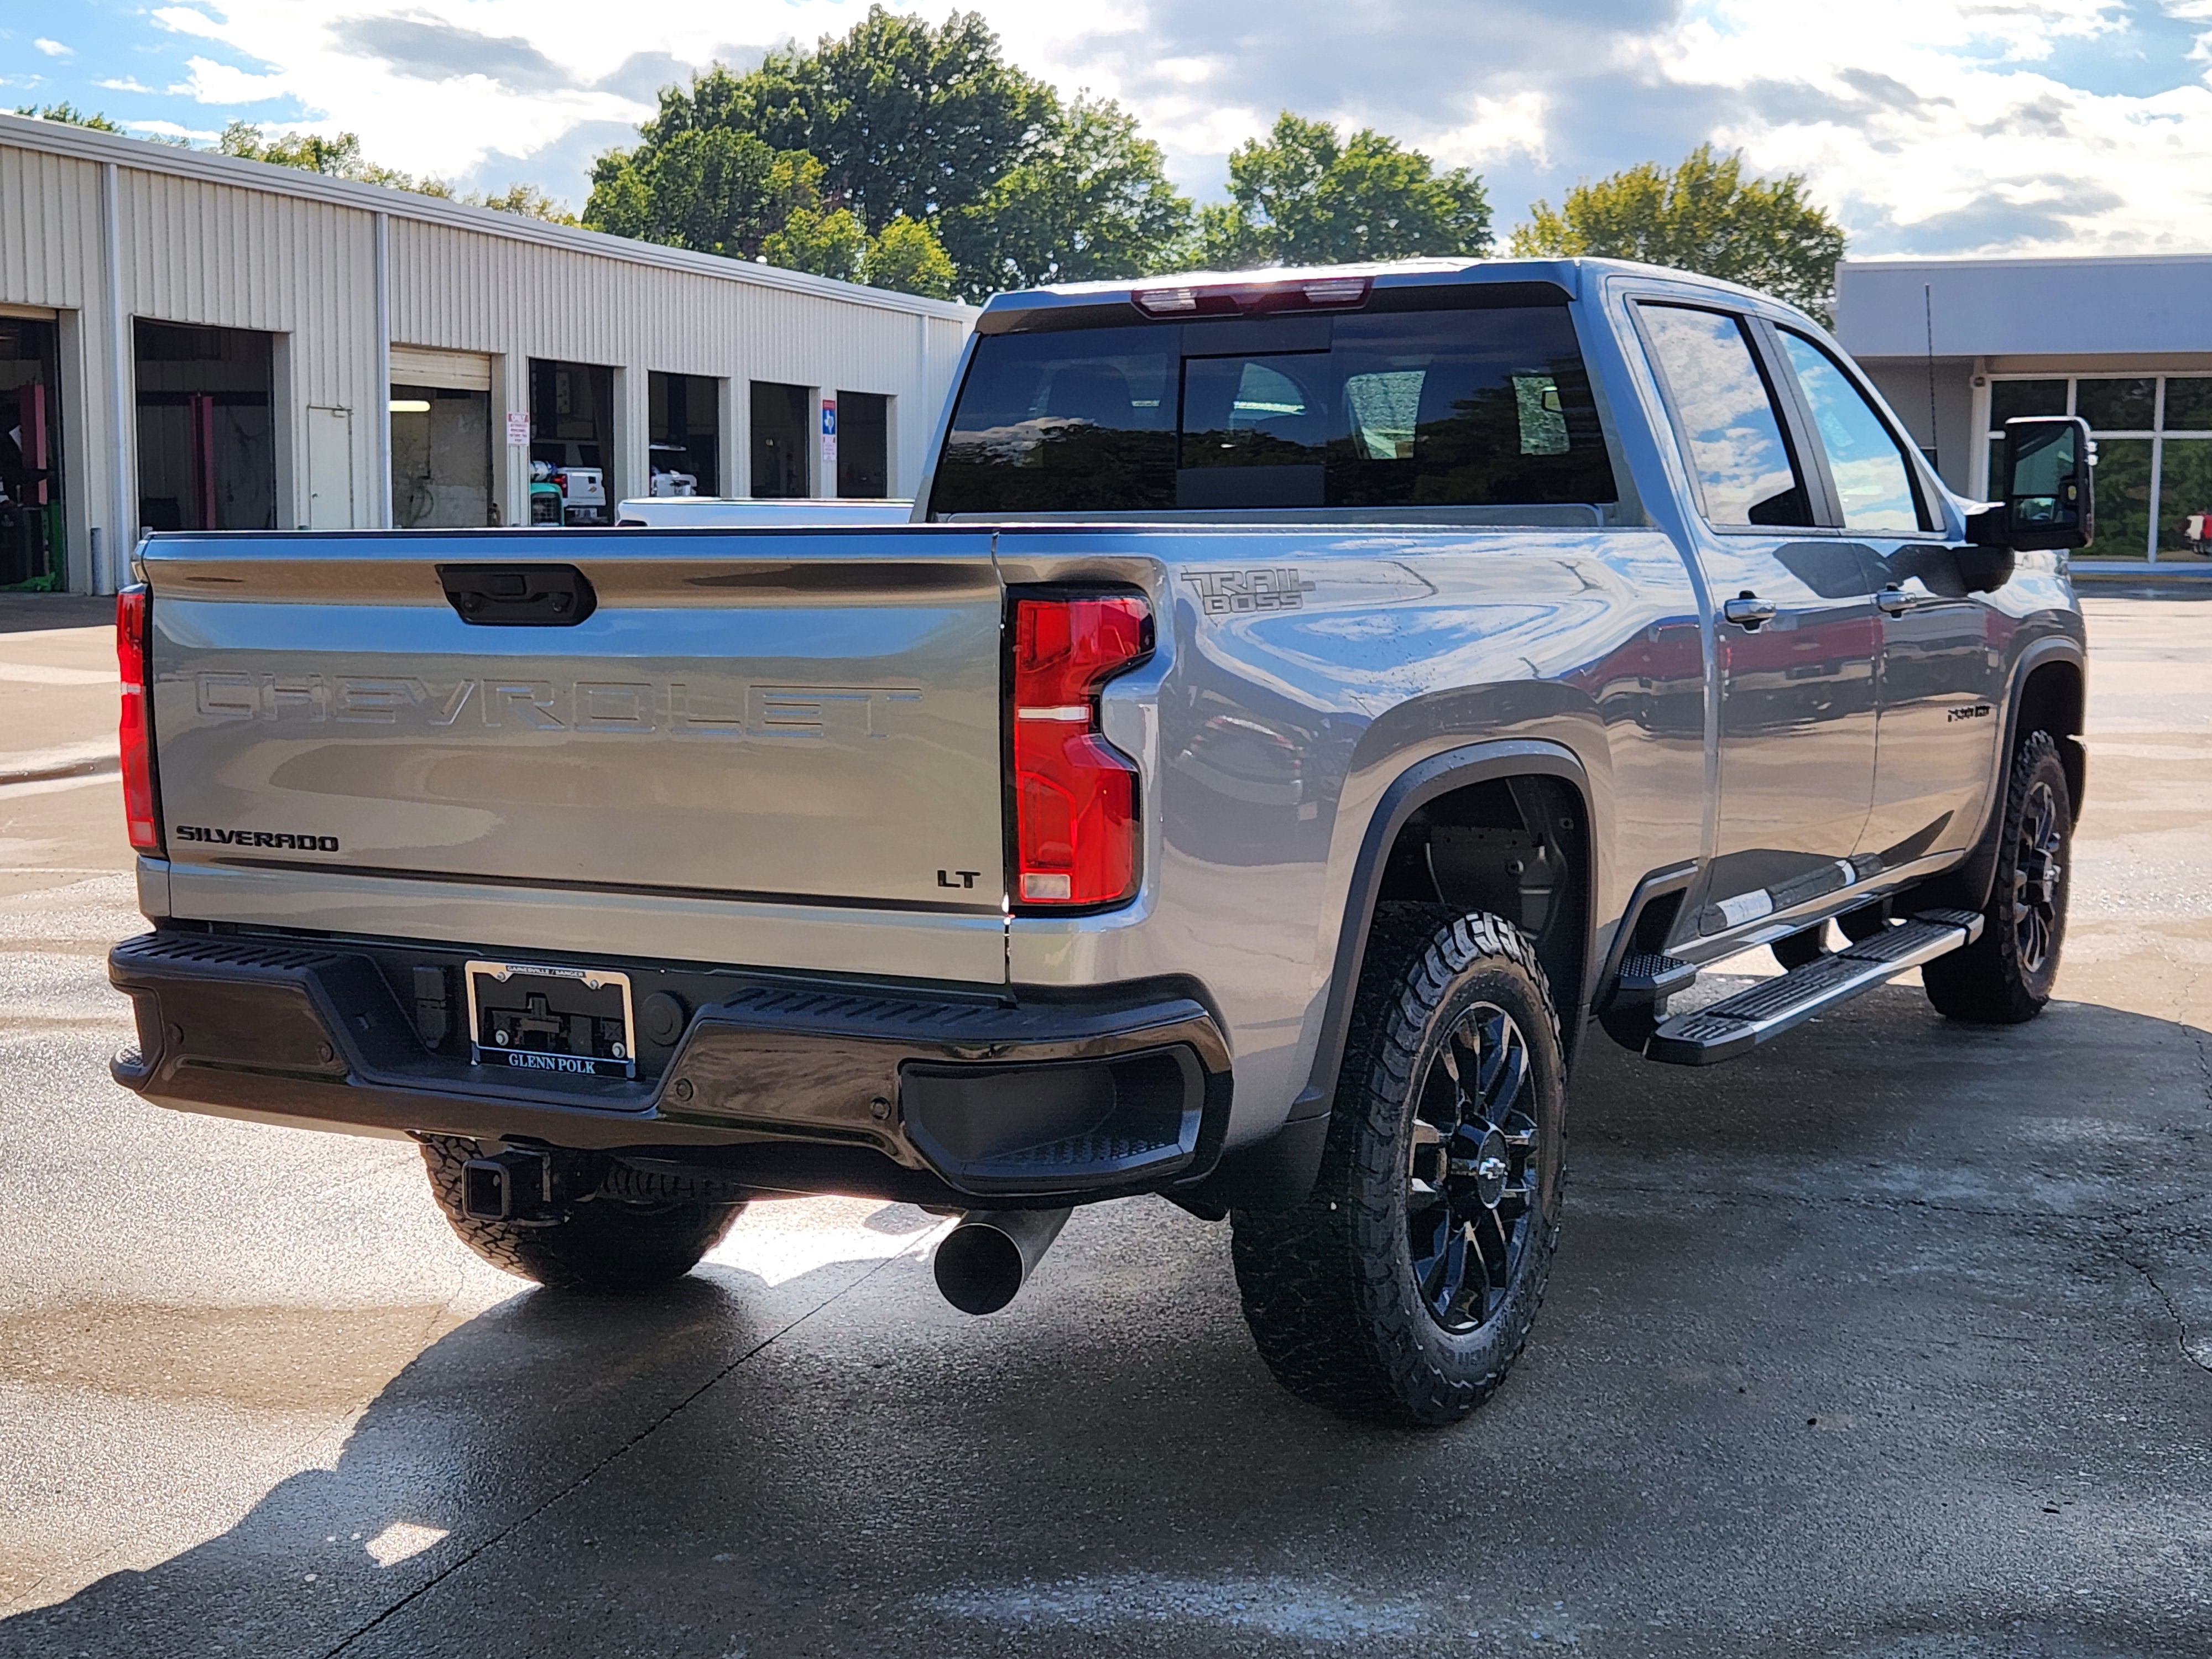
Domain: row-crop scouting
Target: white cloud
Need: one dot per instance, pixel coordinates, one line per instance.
(54, 48)
(1498, 127)
(171, 129)
(1947, 127)
(123, 83)
(1928, 125)
(211, 82)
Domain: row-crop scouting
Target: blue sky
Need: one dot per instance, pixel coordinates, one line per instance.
(1928, 126)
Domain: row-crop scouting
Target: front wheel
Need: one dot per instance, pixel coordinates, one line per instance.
(1405, 1286)
(2004, 977)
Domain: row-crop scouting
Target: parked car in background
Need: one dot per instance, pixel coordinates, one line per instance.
(670, 471)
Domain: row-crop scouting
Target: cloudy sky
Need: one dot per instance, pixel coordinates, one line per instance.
(1929, 126)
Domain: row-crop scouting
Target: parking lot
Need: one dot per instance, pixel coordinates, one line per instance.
(1894, 1338)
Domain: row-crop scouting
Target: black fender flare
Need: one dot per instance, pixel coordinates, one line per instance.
(1413, 788)
(1279, 1171)
(1965, 885)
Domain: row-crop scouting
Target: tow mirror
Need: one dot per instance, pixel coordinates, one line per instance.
(2048, 497)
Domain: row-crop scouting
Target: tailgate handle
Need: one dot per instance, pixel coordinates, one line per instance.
(519, 595)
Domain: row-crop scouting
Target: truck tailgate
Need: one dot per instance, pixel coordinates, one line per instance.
(811, 716)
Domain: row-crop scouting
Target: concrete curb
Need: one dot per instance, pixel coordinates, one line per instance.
(78, 760)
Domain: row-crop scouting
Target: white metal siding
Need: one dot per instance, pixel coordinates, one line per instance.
(211, 241)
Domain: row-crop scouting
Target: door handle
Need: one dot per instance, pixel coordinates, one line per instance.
(1895, 601)
(1748, 612)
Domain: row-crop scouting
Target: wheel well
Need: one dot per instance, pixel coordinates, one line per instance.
(1516, 847)
(2051, 702)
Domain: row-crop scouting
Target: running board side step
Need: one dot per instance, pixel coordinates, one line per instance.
(1743, 1022)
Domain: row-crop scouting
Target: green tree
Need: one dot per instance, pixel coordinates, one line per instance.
(906, 118)
(928, 124)
(526, 201)
(1704, 216)
(337, 157)
(1090, 202)
(710, 189)
(68, 114)
(1302, 196)
(907, 258)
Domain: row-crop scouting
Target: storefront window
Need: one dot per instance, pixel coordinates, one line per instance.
(2154, 455)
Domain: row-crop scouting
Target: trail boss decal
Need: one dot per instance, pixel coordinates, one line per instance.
(1976, 711)
(1228, 592)
(271, 838)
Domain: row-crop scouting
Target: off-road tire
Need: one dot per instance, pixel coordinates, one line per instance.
(1989, 982)
(601, 1241)
(1329, 1288)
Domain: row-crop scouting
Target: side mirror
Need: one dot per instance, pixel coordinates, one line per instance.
(2049, 496)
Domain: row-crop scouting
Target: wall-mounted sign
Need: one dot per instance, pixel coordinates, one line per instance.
(518, 428)
(829, 445)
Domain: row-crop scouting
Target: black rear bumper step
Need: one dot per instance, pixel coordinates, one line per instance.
(889, 1089)
(1735, 1026)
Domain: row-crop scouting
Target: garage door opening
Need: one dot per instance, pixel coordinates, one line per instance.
(207, 450)
(780, 439)
(31, 532)
(572, 443)
(441, 452)
(864, 421)
(685, 441)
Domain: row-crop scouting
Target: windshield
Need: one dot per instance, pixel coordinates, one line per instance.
(1428, 409)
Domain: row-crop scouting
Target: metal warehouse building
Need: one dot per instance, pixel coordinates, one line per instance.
(191, 340)
(2124, 343)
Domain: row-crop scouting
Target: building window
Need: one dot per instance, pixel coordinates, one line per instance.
(863, 445)
(2153, 436)
(781, 432)
(207, 453)
(31, 542)
(572, 439)
(441, 457)
(685, 441)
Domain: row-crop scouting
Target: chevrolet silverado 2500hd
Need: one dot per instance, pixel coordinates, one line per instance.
(1303, 706)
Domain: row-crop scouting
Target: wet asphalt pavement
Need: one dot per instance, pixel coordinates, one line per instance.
(1892, 1339)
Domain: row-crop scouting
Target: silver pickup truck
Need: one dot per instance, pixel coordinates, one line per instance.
(1302, 708)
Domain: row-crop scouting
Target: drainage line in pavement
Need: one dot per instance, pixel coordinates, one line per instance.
(650, 1429)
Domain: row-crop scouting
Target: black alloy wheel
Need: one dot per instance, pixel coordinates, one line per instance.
(2005, 977)
(1470, 1176)
(2039, 873)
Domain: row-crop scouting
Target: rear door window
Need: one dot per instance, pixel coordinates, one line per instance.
(1731, 430)
(1433, 409)
(1873, 481)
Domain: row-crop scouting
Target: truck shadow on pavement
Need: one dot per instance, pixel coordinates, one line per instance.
(1882, 1341)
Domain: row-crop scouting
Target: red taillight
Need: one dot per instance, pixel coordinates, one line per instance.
(1075, 795)
(135, 734)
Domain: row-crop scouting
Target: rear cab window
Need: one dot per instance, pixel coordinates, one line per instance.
(1439, 408)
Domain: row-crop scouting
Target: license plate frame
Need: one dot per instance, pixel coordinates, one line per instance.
(610, 1057)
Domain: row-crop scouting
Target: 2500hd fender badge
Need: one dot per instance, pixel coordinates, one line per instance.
(271, 838)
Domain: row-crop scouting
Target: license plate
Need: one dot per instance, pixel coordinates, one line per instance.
(567, 1022)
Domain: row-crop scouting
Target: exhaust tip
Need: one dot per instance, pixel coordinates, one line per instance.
(979, 1269)
(984, 1262)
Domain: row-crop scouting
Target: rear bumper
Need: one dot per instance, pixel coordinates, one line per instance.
(881, 1090)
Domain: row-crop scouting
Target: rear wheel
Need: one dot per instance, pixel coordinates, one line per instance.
(2004, 977)
(1405, 1286)
(598, 1241)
